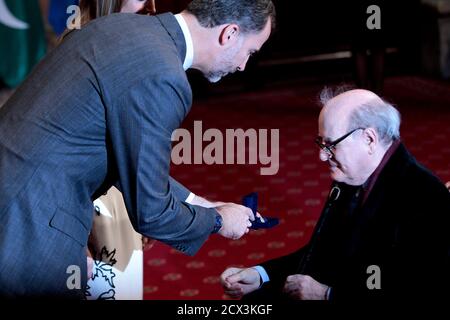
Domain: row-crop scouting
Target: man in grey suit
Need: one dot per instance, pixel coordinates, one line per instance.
(99, 111)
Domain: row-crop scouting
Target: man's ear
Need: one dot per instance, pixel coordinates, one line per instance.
(371, 138)
(229, 35)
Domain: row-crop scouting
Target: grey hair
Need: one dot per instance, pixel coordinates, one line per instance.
(250, 15)
(375, 113)
(329, 93)
(380, 115)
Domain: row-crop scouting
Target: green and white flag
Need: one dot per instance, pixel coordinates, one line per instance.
(22, 39)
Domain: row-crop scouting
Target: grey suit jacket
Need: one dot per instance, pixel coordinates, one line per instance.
(98, 110)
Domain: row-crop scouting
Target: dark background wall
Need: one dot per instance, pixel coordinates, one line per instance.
(316, 39)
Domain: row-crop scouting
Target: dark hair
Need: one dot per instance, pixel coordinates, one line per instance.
(250, 15)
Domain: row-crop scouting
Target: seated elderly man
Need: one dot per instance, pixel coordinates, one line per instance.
(384, 230)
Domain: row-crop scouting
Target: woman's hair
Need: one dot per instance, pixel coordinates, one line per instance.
(93, 9)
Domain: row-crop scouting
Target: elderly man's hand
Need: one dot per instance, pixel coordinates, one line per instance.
(301, 287)
(239, 281)
(235, 220)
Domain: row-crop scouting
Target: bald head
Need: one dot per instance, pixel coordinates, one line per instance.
(359, 108)
(339, 108)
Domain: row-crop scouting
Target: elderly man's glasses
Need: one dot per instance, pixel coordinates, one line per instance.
(330, 146)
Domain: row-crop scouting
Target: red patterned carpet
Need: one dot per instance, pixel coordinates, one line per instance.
(297, 192)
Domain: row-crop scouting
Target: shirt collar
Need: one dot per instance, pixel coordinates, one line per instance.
(188, 60)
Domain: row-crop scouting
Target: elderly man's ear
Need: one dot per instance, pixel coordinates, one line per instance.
(448, 185)
(371, 139)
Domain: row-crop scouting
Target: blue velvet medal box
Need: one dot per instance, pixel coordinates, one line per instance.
(251, 201)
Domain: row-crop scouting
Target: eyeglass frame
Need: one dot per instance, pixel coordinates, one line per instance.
(328, 147)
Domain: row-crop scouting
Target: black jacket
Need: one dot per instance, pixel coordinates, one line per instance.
(403, 228)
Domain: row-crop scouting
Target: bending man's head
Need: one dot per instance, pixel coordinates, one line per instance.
(227, 32)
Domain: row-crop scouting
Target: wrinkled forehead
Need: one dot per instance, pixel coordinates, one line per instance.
(333, 122)
(337, 111)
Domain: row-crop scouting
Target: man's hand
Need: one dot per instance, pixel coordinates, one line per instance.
(301, 287)
(236, 220)
(239, 281)
(202, 202)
